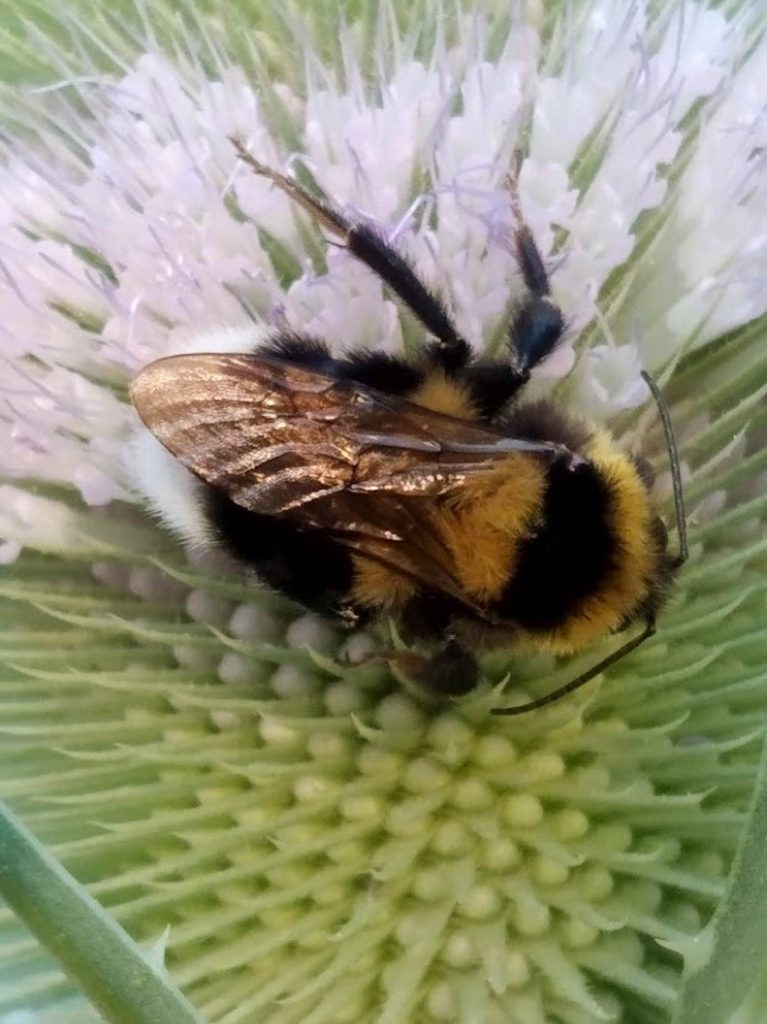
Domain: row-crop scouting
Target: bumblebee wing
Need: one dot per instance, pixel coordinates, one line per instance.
(334, 455)
(255, 429)
(400, 534)
(275, 437)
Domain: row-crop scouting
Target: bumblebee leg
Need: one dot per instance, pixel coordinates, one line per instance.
(492, 385)
(450, 672)
(538, 323)
(528, 254)
(452, 351)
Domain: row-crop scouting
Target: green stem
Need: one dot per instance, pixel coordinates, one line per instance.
(729, 957)
(95, 952)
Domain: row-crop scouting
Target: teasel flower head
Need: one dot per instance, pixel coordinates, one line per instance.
(220, 795)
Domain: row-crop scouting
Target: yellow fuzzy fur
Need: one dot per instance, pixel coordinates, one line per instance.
(443, 394)
(630, 518)
(483, 524)
(485, 521)
(376, 586)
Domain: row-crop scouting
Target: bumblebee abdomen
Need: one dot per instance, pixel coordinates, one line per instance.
(568, 556)
(484, 524)
(305, 565)
(589, 565)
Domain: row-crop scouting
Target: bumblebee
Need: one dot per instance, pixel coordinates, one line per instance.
(368, 485)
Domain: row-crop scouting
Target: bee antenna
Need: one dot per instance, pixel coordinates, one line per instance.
(676, 474)
(581, 680)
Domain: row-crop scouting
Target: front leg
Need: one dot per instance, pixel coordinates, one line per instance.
(451, 671)
(451, 352)
(537, 324)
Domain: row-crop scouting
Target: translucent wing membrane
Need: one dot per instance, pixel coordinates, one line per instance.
(331, 455)
(276, 437)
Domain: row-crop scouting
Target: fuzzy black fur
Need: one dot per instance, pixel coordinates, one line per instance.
(569, 557)
(392, 374)
(492, 386)
(301, 350)
(542, 421)
(378, 370)
(572, 555)
(302, 564)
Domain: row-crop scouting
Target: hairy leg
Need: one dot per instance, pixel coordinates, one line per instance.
(451, 351)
